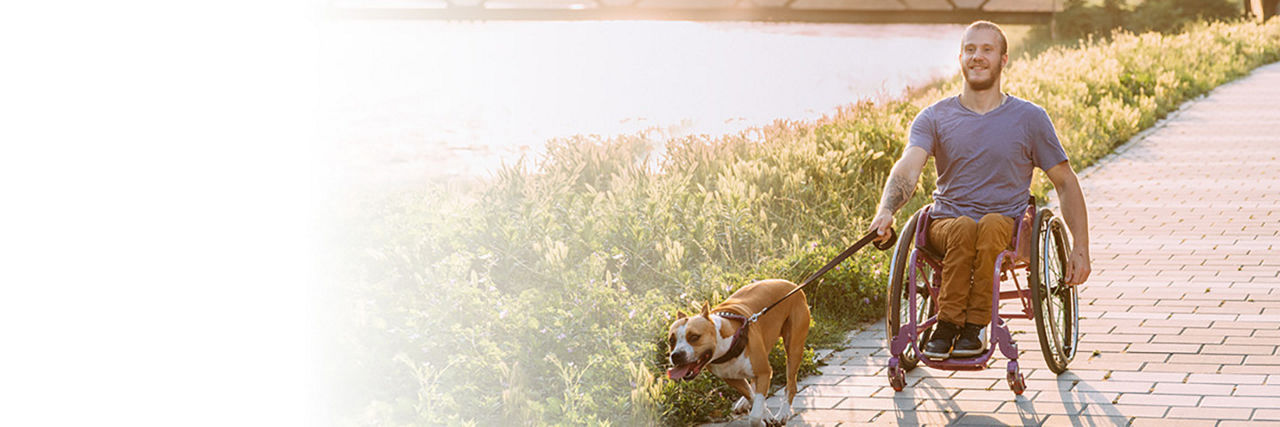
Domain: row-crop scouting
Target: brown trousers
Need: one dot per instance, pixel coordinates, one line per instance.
(970, 249)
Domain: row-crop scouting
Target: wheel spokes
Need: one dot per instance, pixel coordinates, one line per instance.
(1053, 285)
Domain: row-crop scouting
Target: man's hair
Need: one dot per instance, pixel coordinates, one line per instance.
(988, 25)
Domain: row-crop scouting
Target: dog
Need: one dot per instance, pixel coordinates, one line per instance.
(706, 340)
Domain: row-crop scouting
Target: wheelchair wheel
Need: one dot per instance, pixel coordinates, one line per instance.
(898, 308)
(1055, 305)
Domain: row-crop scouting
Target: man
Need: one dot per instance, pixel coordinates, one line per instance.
(986, 145)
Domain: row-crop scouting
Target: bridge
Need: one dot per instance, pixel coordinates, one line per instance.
(845, 11)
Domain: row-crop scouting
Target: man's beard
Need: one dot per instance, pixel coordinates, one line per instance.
(986, 84)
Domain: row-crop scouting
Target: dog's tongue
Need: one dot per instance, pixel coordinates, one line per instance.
(678, 373)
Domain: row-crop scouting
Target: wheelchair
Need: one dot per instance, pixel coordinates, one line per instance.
(1039, 246)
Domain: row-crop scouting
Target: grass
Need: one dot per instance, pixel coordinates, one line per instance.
(542, 297)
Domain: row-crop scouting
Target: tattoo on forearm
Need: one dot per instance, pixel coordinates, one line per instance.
(896, 192)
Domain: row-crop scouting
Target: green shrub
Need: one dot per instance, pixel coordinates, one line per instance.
(543, 297)
(1082, 18)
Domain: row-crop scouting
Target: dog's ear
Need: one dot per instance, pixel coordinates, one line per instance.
(680, 315)
(706, 311)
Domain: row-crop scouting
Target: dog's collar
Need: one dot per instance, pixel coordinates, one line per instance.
(739, 338)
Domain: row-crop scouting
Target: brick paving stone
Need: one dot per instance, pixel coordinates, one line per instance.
(1239, 349)
(1219, 332)
(1158, 399)
(1168, 422)
(1258, 390)
(1181, 323)
(1244, 325)
(1105, 363)
(1127, 357)
(822, 379)
(917, 418)
(1125, 410)
(937, 405)
(998, 394)
(1125, 338)
(1243, 423)
(1078, 396)
(1070, 375)
(816, 402)
(1224, 359)
(1188, 339)
(1111, 347)
(1211, 413)
(1182, 368)
(1195, 389)
(996, 373)
(1241, 402)
(864, 403)
(833, 415)
(1085, 420)
(1267, 414)
(1226, 379)
(850, 369)
(1164, 348)
(1247, 369)
(843, 391)
(1116, 386)
(1042, 407)
(1246, 340)
(1147, 376)
(1000, 419)
(1048, 386)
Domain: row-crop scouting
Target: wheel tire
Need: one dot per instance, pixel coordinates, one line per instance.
(896, 312)
(1055, 305)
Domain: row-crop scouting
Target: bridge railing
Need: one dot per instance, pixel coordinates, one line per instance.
(857, 11)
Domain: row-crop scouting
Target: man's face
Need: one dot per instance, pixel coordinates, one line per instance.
(980, 59)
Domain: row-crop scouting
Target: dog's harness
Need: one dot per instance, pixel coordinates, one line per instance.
(739, 342)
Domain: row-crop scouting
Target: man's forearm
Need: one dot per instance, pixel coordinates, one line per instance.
(897, 190)
(1075, 213)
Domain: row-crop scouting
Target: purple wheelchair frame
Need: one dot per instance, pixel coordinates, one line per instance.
(1007, 262)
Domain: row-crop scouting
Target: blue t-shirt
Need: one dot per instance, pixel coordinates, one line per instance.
(985, 161)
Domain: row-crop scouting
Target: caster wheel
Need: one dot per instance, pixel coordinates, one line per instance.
(897, 376)
(1017, 382)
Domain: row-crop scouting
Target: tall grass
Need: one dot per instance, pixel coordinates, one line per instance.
(543, 297)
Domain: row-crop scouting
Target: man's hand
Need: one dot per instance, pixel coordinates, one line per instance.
(881, 225)
(1078, 266)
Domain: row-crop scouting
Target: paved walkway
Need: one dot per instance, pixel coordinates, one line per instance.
(1181, 318)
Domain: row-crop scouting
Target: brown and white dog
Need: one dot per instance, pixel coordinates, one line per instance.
(697, 341)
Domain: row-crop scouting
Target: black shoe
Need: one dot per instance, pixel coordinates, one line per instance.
(969, 343)
(939, 345)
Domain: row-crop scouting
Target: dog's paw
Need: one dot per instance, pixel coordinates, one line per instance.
(781, 417)
(742, 406)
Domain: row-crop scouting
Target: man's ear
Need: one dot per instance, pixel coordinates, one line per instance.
(680, 315)
(706, 311)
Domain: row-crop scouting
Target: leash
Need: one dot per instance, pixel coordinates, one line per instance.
(739, 338)
(893, 237)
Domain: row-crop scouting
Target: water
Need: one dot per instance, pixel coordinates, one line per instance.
(413, 100)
